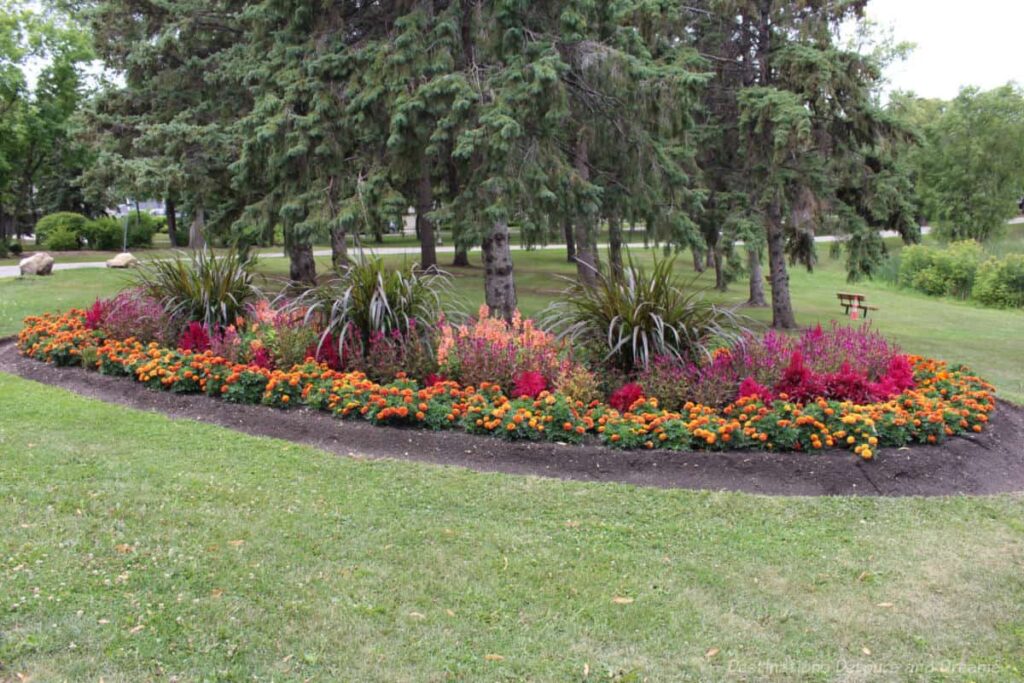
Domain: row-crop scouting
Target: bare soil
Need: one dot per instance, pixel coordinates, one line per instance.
(987, 463)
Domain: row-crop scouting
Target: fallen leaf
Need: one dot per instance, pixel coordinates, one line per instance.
(417, 615)
(863, 575)
(586, 669)
(572, 524)
(124, 548)
(865, 651)
(449, 612)
(216, 593)
(711, 653)
(103, 621)
(885, 604)
(136, 629)
(619, 600)
(494, 658)
(236, 544)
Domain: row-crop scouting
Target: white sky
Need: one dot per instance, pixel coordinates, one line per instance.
(980, 42)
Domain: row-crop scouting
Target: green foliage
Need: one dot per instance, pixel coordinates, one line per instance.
(61, 239)
(641, 316)
(1000, 282)
(941, 271)
(141, 227)
(970, 168)
(104, 234)
(72, 223)
(203, 287)
(368, 299)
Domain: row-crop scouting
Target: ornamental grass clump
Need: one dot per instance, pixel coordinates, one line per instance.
(368, 301)
(206, 288)
(630, 320)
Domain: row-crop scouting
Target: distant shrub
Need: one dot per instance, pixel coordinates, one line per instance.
(103, 234)
(72, 223)
(61, 240)
(937, 272)
(141, 227)
(16, 248)
(1000, 282)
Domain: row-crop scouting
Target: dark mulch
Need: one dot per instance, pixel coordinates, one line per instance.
(989, 463)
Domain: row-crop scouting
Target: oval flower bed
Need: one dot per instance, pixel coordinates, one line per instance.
(944, 401)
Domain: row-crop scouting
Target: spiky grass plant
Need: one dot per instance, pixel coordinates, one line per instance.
(639, 316)
(201, 287)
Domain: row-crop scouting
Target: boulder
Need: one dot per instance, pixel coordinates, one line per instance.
(124, 260)
(39, 263)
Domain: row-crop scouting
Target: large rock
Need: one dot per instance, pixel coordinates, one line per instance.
(124, 260)
(40, 263)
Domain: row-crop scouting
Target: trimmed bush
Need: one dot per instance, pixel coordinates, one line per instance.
(1000, 282)
(61, 240)
(16, 248)
(104, 234)
(937, 272)
(73, 223)
(141, 228)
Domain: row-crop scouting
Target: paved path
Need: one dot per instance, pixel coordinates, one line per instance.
(12, 271)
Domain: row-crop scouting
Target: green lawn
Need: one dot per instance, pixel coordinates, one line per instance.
(140, 548)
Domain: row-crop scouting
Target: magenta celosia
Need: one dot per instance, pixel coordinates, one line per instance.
(529, 384)
(625, 396)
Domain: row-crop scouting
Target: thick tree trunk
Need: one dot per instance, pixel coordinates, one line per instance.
(698, 262)
(461, 259)
(172, 222)
(302, 266)
(570, 240)
(425, 226)
(615, 246)
(339, 248)
(756, 279)
(588, 262)
(782, 306)
(499, 279)
(716, 260)
(196, 238)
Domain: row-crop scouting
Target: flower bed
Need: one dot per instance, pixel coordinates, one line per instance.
(944, 400)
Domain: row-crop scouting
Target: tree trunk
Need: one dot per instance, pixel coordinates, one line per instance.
(302, 266)
(424, 226)
(461, 259)
(615, 246)
(339, 248)
(698, 262)
(570, 240)
(499, 280)
(782, 306)
(756, 299)
(172, 222)
(587, 260)
(716, 260)
(196, 238)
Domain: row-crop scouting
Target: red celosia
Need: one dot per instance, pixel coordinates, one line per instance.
(261, 358)
(433, 379)
(625, 396)
(326, 351)
(848, 385)
(751, 387)
(799, 382)
(194, 338)
(529, 384)
(898, 378)
(94, 316)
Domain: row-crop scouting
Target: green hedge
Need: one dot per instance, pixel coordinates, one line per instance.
(73, 223)
(962, 270)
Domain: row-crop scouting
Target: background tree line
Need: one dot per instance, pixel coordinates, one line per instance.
(739, 129)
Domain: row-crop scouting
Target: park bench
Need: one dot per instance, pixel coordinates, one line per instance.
(854, 301)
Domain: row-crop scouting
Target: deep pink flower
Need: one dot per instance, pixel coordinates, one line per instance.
(529, 384)
(194, 338)
(625, 396)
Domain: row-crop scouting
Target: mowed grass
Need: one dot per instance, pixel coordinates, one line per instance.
(140, 548)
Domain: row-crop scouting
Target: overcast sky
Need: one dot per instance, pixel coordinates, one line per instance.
(980, 42)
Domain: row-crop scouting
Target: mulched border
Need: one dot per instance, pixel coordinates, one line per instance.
(989, 463)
